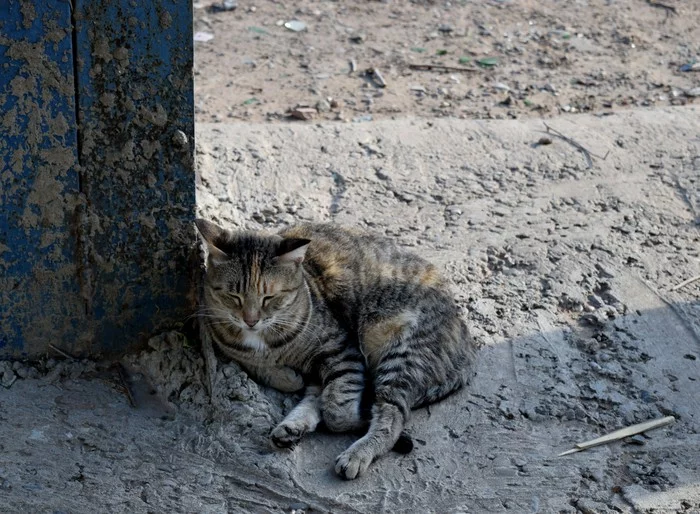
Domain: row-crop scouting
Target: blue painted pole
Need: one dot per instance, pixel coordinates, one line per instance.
(95, 229)
(136, 128)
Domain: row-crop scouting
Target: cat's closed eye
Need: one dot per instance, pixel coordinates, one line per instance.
(233, 296)
(266, 300)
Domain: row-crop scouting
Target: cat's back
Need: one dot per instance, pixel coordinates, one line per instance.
(349, 258)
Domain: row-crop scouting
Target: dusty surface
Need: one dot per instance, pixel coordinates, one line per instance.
(566, 274)
(548, 58)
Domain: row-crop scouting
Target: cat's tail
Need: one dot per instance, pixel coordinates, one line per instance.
(404, 444)
(440, 392)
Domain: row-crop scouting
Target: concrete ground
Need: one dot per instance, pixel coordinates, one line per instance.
(567, 270)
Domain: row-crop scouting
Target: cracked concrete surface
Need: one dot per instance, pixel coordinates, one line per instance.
(566, 275)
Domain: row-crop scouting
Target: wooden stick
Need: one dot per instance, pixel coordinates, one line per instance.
(585, 151)
(621, 434)
(125, 384)
(65, 354)
(667, 8)
(439, 67)
(685, 283)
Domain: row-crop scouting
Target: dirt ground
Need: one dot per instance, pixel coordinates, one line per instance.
(574, 268)
(541, 58)
(568, 276)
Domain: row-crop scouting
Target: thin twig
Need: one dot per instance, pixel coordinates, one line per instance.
(439, 67)
(587, 153)
(65, 354)
(685, 283)
(668, 8)
(124, 383)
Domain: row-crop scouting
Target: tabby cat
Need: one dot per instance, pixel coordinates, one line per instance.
(350, 315)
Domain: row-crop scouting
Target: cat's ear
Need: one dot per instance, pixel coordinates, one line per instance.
(292, 250)
(212, 234)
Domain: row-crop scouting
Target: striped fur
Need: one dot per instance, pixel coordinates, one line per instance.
(374, 326)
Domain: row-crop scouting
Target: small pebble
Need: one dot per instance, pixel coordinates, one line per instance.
(636, 440)
(8, 378)
(505, 472)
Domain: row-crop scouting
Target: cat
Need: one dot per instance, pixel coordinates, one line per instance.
(348, 314)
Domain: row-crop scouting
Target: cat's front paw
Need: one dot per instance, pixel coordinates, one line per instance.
(287, 380)
(288, 433)
(354, 461)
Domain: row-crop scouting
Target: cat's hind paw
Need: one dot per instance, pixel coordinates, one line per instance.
(354, 461)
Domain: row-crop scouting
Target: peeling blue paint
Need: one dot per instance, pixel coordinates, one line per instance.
(37, 279)
(111, 265)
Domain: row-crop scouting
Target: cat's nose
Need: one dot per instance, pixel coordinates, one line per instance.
(251, 322)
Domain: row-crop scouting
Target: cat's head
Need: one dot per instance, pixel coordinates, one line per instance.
(252, 280)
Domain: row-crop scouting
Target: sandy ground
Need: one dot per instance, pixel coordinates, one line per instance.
(542, 58)
(567, 276)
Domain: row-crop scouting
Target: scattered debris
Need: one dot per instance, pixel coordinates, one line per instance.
(224, 6)
(587, 86)
(295, 25)
(506, 102)
(685, 282)
(7, 376)
(377, 77)
(323, 106)
(303, 113)
(691, 66)
(620, 434)
(251, 101)
(353, 66)
(203, 37)
(487, 62)
(439, 67)
(587, 153)
(544, 140)
(585, 82)
(561, 33)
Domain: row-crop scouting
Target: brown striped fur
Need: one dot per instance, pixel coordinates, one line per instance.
(344, 312)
